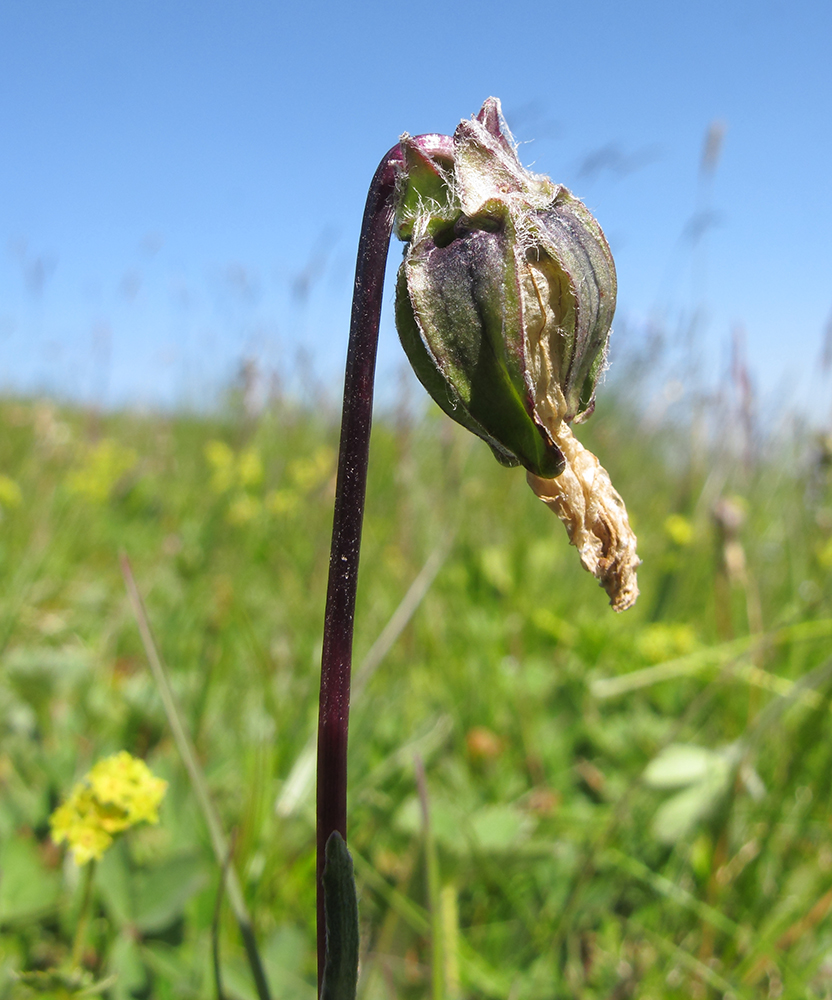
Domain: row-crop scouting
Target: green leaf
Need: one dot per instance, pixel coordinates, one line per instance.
(161, 892)
(127, 965)
(341, 906)
(676, 817)
(114, 883)
(444, 820)
(703, 775)
(27, 888)
(148, 898)
(682, 764)
(499, 828)
(284, 955)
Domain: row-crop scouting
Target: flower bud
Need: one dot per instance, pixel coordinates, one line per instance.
(504, 303)
(506, 293)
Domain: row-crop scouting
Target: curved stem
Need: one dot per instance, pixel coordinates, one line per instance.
(336, 661)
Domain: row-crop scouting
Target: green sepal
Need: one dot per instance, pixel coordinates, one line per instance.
(506, 294)
(578, 262)
(425, 196)
(452, 318)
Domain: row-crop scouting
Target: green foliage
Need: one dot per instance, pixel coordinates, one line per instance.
(340, 977)
(619, 806)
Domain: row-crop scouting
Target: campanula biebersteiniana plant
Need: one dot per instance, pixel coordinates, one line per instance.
(503, 304)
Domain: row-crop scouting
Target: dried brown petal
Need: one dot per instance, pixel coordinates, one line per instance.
(594, 516)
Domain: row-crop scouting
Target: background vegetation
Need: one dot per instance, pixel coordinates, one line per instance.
(612, 806)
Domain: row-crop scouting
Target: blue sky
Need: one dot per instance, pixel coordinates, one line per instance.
(181, 183)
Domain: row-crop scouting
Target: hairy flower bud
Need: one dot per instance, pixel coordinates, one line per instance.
(504, 303)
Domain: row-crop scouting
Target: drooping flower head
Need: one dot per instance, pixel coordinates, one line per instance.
(119, 792)
(504, 304)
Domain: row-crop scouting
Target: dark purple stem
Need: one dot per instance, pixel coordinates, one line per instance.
(333, 717)
(336, 661)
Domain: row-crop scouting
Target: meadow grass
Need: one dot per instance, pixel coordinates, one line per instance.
(547, 800)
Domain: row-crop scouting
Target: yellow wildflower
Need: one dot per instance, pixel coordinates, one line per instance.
(243, 509)
(10, 494)
(282, 501)
(100, 470)
(664, 641)
(311, 473)
(249, 467)
(679, 529)
(824, 554)
(221, 459)
(229, 470)
(117, 793)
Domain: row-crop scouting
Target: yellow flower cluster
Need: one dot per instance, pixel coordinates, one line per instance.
(10, 493)
(679, 529)
(305, 475)
(230, 470)
(240, 477)
(101, 468)
(824, 554)
(664, 641)
(118, 792)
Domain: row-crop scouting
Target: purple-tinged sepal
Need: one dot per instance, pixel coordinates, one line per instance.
(504, 303)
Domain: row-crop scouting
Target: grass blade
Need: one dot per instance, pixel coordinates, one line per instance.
(219, 841)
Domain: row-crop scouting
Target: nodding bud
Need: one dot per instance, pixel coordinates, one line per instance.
(504, 301)
(506, 294)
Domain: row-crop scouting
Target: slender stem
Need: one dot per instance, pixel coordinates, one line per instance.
(187, 751)
(83, 917)
(356, 419)
(437, 960)
(336, 660)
